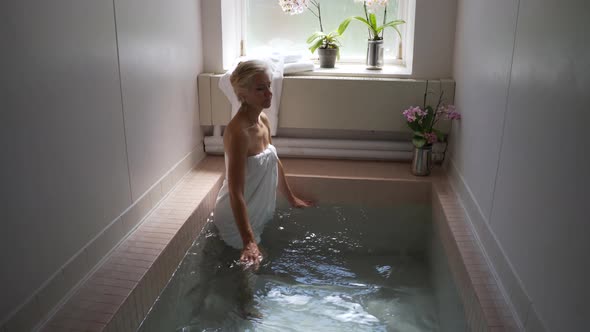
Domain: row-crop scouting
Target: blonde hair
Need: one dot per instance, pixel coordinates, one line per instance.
(241, 77)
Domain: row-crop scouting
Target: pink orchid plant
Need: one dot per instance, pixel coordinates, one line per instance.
(422, 120)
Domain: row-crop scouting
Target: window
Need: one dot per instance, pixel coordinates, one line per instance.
(266, 27)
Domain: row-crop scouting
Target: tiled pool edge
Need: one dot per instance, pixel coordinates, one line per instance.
(119, 297)
(41, 304)
(485, 307)
(121, 291)
(512, 287)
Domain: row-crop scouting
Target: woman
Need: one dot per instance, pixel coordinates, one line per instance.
(246, 202)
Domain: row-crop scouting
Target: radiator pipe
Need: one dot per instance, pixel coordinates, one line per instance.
(331, 148)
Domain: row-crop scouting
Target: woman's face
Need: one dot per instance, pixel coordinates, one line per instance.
(259, 94)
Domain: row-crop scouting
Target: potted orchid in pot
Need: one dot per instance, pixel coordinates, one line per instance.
(421, 120)
(327, 44)
(375, 41)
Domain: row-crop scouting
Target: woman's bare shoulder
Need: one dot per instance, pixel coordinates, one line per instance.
(235, 138)
(265, 120)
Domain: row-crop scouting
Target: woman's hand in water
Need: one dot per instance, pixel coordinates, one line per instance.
(251, 256)
(299, 203)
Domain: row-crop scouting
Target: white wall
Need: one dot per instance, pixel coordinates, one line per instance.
(77, 152)
(160, 52)
(212, 36)
(520, 152)
(434, 37)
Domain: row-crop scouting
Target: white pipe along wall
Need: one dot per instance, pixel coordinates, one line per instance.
(331, 148)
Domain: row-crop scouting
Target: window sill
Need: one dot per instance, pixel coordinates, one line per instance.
(357, 70)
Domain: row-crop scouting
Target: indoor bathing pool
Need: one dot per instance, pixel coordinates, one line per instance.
(332, 267)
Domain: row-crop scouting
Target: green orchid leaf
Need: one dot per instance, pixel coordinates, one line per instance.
(398, 32)
(312, 41)
(342, 27)
(316, 44)
(312, 37)
(439, 135)
(395, 22)
(362, 19)
(418, 142)
(315, 35)
(415, 126)
(373, 21)
(418, 134)
(319, 41)
(394, 25)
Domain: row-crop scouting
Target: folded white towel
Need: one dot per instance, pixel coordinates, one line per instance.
(294, 57)
(297, 67)
(276, 85)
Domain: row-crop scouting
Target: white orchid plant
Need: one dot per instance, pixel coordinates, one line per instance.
(318, 39)
(370, 20)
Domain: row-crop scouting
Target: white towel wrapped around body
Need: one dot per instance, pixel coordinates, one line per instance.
(259, 193)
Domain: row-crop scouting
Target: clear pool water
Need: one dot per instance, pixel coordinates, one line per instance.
(327, 268)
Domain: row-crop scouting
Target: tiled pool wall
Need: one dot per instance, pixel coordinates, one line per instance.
(485, 308)
(118, 295)
(42, 304)
(373, 192)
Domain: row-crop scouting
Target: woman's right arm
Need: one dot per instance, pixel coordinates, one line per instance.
(236, 147)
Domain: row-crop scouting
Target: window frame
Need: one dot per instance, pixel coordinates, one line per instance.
(406, 12)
